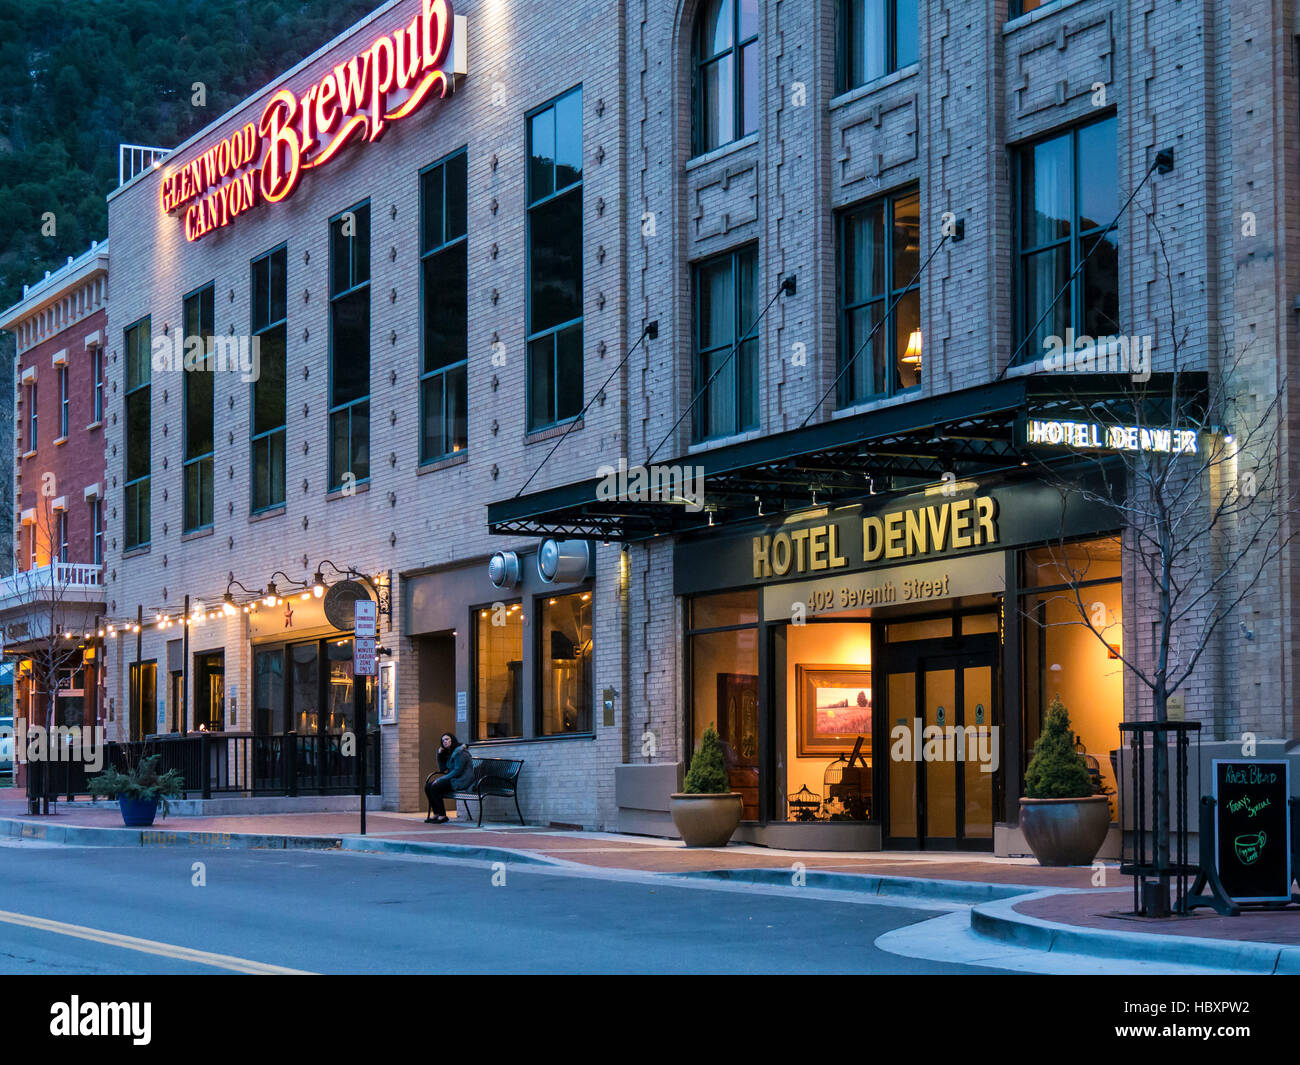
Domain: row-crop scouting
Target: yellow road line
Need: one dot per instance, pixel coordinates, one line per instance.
(149, 946)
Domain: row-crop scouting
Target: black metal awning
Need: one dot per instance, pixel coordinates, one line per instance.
(970, 433)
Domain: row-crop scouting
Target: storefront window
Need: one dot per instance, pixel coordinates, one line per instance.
(499, 659)
(724, 684)
(210, 692)
(144, 697)
(1077, 597)
(566, 664)
(341, 712)
(824, 739)
(304, 691)
(268, 693)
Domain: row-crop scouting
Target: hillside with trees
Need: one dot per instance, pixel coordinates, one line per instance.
(78, 79)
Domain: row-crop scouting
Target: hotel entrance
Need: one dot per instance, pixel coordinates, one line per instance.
(942, 776)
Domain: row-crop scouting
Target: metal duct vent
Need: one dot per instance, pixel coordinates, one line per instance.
(563, 561)
(504, 569)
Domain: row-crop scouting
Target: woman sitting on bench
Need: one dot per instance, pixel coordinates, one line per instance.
(456, 765)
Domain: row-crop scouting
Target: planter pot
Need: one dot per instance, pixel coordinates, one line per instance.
(1065, 831)
(706, 820)
(137, 813)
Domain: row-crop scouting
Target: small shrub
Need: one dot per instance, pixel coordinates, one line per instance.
(1057, 770)
(141, 781)
(708, 772)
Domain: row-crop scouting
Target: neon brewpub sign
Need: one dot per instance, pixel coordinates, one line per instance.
(263, 161)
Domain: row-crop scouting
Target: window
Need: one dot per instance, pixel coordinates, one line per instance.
(498, 672)
(726, 296)
(137, 347)
(270, 713)
(1068, 194)
(144, 696)
(350, 346)
(877, 37)
(210, 691)
(880, 253)
(198, 317)
(444, 301)
(565, 662)
(555, 261)
(270, 331)
(63, 402)
(1023, 7)
(61, 534)
(97, 531)
(97, 374)
(726, 72)
(31, 417)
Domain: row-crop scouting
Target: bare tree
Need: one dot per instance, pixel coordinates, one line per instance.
(1197, 476)
(60, 617)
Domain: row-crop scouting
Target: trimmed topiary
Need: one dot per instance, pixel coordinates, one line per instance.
(1057, 770)
(708, 772)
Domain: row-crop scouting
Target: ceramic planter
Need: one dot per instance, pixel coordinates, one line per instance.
(706, 820)
(137, 813)
(1065, 831)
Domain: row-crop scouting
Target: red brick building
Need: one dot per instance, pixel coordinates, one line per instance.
(52, 602)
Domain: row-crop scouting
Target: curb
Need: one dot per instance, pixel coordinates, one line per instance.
(967, 892)
(445, 850)
(1000, 921)
(91, 836)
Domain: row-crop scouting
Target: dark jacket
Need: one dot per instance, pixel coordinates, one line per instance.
(458, 766)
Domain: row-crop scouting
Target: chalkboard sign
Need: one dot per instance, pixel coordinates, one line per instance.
(1253, 830)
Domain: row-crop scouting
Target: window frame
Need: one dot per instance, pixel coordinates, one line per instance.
(850, 14)
(1074, 241)
(64, 402)
(257, 440)
(187, 461)
(448, 371)
(97, 531)
(553, 331)
(698, 378)
(61, 536)
(475, 656)
(542, 661)
(335, 477)
(143, 483)
(892, 291)
(700, 98)
(33, 422)
(97, 386)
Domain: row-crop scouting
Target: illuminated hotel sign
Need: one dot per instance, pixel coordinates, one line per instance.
(1092, 436)
(263, 161)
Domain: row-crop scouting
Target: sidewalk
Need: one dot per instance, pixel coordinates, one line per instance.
(1057, 905)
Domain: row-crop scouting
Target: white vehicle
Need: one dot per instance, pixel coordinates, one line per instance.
(6, 744)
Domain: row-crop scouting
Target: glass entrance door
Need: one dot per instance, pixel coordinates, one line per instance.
(943, 748)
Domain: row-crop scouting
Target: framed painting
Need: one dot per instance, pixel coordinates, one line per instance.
(833, 708)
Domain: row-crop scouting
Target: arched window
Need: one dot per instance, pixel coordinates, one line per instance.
(726, 72)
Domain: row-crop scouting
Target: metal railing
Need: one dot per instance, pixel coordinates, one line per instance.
(134, 159)
(226, 763)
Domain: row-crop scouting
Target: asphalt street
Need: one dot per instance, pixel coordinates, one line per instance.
(140, 910)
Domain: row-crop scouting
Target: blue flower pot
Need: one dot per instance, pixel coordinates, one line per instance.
(137, 813)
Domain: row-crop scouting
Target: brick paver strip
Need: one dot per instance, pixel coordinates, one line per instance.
(1093, 910)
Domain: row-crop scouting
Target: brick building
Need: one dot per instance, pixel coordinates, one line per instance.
(52, 602)
(817, 251)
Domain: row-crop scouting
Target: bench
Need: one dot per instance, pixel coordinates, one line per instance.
(492, 776)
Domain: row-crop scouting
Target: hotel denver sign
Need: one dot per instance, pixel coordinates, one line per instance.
(356, 100)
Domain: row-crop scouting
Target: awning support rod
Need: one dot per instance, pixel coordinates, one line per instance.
(786, 287)
(651, 330)
(1164, 162)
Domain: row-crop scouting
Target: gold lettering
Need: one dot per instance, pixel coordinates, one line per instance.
(939, 527)
(781, 554)
(873, 540)
(800, 539)
(916, 543)
(894, 535)
(961, 536)
(987, 509)
(837, 560)
(817, 547)
(761, 567)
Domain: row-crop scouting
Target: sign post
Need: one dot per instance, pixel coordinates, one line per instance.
(365, 618)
